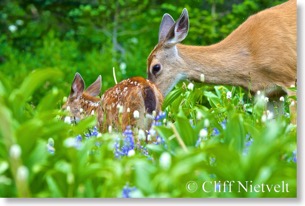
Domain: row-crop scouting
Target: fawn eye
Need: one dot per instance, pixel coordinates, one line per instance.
(156, 68)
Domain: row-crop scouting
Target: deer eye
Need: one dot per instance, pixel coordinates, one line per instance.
(156, 68)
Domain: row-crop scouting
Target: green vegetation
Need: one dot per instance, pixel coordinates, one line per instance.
(208, 135)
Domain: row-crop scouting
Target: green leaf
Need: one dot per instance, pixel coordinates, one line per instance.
(171, 97)
(235, 134)
(213, 99)
(53, 187)
(185, 130)
(31, 83)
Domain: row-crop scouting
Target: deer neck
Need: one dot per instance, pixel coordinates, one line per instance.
(221, 63)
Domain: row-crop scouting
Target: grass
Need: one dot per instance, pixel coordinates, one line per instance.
(206, 136)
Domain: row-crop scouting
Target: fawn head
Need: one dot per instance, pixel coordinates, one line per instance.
(81, 102)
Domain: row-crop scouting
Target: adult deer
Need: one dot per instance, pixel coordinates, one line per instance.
(261, 54)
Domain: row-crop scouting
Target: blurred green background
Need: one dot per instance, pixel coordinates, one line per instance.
(93, 36)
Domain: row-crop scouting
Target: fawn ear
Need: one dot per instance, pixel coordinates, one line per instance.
(78, 86)
(179, 30)
(95, 88)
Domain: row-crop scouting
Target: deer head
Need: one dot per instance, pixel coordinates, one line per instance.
(165, 66)
(81, 102)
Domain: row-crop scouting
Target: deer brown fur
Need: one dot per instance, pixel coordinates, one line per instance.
(260, 54)
(130, 102)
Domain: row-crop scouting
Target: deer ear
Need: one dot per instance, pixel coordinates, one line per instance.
(95, 88)
(179, 30)
(78, 86)
(167, 23)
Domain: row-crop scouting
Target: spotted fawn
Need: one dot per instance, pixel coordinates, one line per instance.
(133, 102)
(130, 102)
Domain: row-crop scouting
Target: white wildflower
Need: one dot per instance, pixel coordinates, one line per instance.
(229, 95)
(206, 123)
(134, 40)
(264, 118)
(199, 116)
(15, 151)
(128, 109)
(292, 103)
(69, 142)
(22, 173)
(154, 113)
(202, 77)
(165, 160)
(149, 116)
(123, 67)
(190, 86)
(258, 92)
(203, 133)
(152, 132)
(141, 135)
(12, 28)
(266, 99)
(131, 153)
(136, 114)
(269, 115)
(19, 22)
(67, 120)
(149, 138)
(282, 99)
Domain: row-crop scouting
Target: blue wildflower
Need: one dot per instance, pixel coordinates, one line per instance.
(127, 190)
(198, 142)
(128, 143)
(160, 116)
(223, 124)
(50, 146)
(294, 159)
(158, 121)
(215, 132)
(128, 140)
(78, 141)
(117, 150)
(92, 132)
(248, 143)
